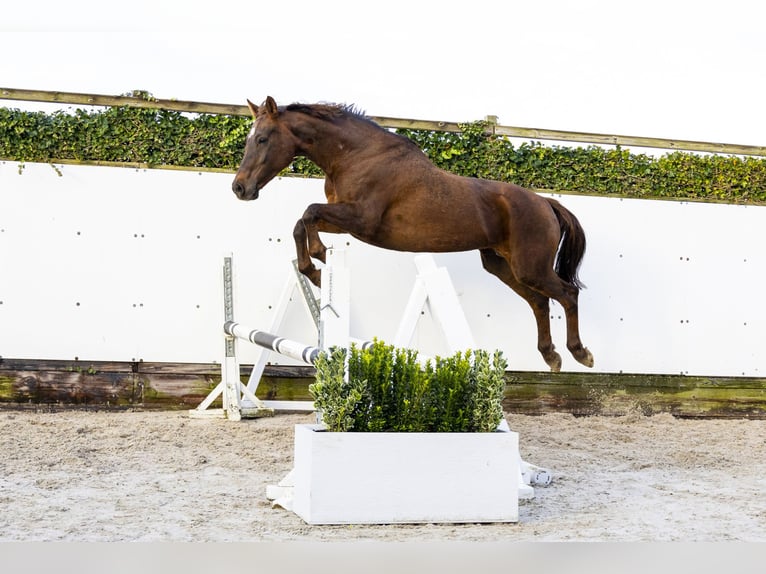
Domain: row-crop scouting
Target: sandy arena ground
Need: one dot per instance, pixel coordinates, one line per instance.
(162, 476)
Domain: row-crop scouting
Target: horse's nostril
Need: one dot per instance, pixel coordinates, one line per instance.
(237, 188)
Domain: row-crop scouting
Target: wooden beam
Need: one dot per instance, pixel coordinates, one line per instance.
(116, 101)
(427, 125)
(119, 385)
(610, 394)
(143, 165)
(627, 141)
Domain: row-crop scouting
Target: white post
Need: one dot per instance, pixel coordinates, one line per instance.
(334, 322)
(230, 371)
(230, 365)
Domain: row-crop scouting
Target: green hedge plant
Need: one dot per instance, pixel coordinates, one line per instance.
(388, 390)
(157, 137)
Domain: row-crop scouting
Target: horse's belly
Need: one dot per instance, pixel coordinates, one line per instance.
(424, 238)
(434, 222)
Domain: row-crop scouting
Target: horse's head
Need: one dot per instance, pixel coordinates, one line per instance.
(270, 148)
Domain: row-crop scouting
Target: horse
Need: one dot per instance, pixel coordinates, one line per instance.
(383, 190)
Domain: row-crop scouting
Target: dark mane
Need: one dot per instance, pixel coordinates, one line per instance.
(329, 111)
(332, 112)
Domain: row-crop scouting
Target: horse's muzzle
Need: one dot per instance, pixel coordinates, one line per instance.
(242, 192)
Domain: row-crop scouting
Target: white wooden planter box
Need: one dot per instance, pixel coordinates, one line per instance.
(385, 478)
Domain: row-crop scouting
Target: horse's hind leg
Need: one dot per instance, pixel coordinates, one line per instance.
(539, 303)
(574, 344)
(551, 286)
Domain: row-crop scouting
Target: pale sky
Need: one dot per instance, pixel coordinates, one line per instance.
(659, 68)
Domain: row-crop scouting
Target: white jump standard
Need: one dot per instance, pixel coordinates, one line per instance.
(332, 321)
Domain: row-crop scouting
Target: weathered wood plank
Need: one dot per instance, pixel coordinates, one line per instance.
(618, 394)
(77, 388)
(59, 365)
(629, 141)
(284, 389)
(169, 390)
(128, 101)
(152, 368)
(133, 384)
(84, 384)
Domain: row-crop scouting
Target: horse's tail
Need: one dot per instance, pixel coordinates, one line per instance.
(572, 246)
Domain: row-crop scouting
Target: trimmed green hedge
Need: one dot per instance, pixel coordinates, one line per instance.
(155, 137)
(388, 390)
(163, 137)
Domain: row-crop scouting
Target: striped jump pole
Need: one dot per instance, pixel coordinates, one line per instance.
(282, 345)
(298, 351)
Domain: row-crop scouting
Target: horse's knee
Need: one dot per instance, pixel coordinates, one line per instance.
(307, 238)
(318, 250)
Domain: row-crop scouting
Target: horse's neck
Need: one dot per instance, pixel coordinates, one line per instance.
(327, 143)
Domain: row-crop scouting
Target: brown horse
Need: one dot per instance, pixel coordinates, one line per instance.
(382, 189)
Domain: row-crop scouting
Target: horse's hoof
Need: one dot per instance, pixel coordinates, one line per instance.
(314, 275)
(554, 362)
(585, 357)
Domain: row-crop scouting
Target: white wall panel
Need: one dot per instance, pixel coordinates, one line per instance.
(124, 264)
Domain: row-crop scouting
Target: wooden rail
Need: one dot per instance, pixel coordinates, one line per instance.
(509, 131)
(55, 385)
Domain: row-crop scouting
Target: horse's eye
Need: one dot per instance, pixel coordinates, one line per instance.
(262, 140)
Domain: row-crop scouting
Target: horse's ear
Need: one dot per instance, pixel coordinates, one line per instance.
(253, 109)
(270, 106)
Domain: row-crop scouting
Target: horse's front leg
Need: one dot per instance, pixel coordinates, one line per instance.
(308, 244)
(305, 265)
